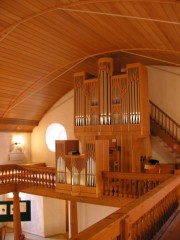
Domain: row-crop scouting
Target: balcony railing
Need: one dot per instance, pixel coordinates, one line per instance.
(31, 175)
(130, 185)
(141, 218)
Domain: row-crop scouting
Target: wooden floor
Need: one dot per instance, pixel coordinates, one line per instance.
(10, 236)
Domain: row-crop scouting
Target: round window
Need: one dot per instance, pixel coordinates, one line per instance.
(55, 131)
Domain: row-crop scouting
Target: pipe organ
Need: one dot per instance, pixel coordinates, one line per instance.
(79, 174)
(109, 99)
(111, 121)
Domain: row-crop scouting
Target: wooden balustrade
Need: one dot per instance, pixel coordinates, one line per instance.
(130, 185)
(28, 174)
(141, 218)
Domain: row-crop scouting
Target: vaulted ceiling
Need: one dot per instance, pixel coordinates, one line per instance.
(44, 42)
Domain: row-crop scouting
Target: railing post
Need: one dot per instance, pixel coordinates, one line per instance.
(126, 229)
(73, 229)
(17, 217)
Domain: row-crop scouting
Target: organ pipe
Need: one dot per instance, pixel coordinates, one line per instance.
(105, 73)
(108, 99)
(134, 104)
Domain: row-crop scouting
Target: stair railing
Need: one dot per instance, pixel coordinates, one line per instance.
(167, 123)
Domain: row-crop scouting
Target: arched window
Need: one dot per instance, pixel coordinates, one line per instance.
(55, 131)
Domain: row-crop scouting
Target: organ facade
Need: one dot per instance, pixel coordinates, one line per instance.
(111, 123)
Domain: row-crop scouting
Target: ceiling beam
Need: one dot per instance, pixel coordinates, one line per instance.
(15, 121)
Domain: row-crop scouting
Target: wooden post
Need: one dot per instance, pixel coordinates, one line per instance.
(73, 229)
(17, 217)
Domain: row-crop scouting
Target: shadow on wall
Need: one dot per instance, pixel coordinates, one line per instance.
(161, 151)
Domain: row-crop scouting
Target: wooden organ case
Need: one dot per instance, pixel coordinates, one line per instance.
(111, 121)
(115, 108)
(80, 174)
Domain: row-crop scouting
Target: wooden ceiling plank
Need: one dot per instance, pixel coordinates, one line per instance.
(12, 61)
(7, 53)
(30, 45)
(19, 75)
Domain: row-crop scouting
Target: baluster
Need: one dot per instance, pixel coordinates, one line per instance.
(127, 188)
(47, 180)
(106, 191)
(139, 188)
(138, 237)
(130, 188)
(134, 231)
(50, 180)
(34, 178)
(53, 180)
(122, 187)
(16, 175)
(133, 190)
(146, 225)
(110, 190)
(41, 179)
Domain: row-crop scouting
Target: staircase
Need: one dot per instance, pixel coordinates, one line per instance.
(165, 128)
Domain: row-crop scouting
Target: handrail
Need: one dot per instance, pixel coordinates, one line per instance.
(149, 213)
(140, 219)
(165, 121)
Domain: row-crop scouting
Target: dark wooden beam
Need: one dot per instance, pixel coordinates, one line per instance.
(17, 125)
(15, 121)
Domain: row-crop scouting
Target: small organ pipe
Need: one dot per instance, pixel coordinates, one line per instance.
(101, 97)
(138, 102)
(109, 98)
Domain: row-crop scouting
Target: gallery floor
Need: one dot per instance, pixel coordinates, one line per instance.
(10, 236)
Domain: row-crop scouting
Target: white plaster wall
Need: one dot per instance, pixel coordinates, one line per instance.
(88, 214)
(62, 112)
(36, 225)
(164, 89)
(54, 216)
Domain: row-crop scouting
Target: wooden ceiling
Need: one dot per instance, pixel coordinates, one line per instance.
(43, 42)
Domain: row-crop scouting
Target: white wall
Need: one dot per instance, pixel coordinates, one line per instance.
(89, 214)
(164, 89)
(62, 112)
(36, 225)
(54, 216)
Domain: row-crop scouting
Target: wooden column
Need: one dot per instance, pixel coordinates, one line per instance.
(16, 217)
(73, 229)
